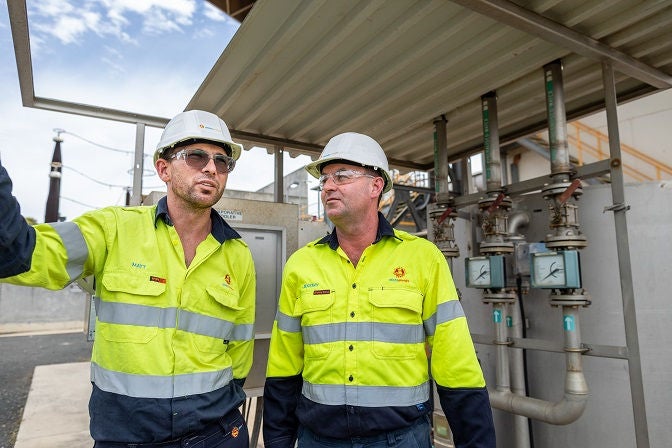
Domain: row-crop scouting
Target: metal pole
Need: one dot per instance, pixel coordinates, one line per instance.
(624, 266)
(139, 164)
(279, 178)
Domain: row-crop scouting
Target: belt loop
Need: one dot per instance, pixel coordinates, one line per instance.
(391, 438)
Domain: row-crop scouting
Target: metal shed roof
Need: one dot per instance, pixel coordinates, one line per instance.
(300, 71)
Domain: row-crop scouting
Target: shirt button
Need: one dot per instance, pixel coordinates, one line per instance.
(351, 348)
(354, 285)
(352, 314)
(350, 378)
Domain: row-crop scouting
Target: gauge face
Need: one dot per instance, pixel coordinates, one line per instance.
(478, 272)
(549, 269)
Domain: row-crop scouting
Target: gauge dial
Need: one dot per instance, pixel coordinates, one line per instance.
(549, 269)
(556, 270)
(478, 272)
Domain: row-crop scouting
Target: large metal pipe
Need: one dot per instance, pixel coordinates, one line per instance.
(573, 403)
(441, 154)
(557, 122)
(492, 158)
(521, 423)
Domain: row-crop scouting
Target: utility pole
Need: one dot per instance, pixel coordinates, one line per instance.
(53, 200)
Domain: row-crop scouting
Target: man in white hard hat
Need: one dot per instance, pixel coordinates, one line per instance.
(357, 310)
(175, 296)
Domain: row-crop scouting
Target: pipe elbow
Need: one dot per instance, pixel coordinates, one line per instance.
(563, 412)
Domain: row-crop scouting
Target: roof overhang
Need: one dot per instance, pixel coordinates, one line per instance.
(299, 71)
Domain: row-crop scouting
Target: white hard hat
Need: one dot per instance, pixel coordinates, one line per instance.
(357, 148)
(200, 126)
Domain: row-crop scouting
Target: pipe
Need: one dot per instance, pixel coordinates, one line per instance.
(441, 154)
(572, 405)
(557, 122)
(492, 157)
(521, 423)
(517, 220)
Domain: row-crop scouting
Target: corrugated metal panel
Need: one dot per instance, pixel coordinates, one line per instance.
(304, 70)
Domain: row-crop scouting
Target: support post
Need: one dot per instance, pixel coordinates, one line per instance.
(624, 266)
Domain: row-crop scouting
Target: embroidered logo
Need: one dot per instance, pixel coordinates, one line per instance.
(153, 278)
(234, 432)
(320, 292)
(399, 272)
(310, 285)
(227, 279)
(135, 264)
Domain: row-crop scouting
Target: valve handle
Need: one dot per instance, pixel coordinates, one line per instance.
(444, 215)
(564, 196)
(495, 204)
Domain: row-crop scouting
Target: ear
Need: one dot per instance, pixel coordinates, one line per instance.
(163, 169)
(377, 186)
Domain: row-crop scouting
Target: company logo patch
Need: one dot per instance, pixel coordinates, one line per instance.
(153, 278)
(202, 126)
(320, 292)
(399, 272)
(227, 279)
(234, 432)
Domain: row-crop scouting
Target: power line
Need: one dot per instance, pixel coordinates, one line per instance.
(80, 203)
(95, 180)
(109, 148)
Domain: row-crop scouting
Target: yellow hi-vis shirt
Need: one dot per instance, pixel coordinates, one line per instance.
(358, 336)
(164, 331)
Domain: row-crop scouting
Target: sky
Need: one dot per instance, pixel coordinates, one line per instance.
(140, 56)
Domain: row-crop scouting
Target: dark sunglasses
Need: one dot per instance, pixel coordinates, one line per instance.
(199, 158)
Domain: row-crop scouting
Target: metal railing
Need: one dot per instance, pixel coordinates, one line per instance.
(589, 143)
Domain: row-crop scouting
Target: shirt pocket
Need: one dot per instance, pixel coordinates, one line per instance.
(398, 331)
(211, 332)
(315, 309)
(126, 312)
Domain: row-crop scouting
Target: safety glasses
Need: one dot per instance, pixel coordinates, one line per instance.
(198, 159)
(342, 177)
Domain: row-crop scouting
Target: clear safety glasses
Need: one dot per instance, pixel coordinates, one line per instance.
(199, 158)
(342, 177)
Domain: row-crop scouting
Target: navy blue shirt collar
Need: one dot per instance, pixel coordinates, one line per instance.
(384, 229)
(221, 230)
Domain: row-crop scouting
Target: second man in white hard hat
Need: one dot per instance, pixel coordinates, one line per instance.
(357, 310)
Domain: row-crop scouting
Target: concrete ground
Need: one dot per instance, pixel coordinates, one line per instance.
(56, 409)
(56, 412)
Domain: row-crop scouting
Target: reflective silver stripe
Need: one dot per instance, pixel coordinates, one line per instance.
(75, 246)
(288, 323)
(217, 328)
(430, 325)
(368, 396)
(149, 316)
(448, 311)
(155, 386)
(132, 314)
(364, 331)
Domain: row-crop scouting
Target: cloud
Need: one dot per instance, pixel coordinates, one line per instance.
(70, 21)
(120, 69)
(213, 13)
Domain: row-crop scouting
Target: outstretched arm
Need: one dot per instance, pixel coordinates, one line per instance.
(17, 238)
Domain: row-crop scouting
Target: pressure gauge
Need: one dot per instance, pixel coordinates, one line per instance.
(485, 272)
(555, 269)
